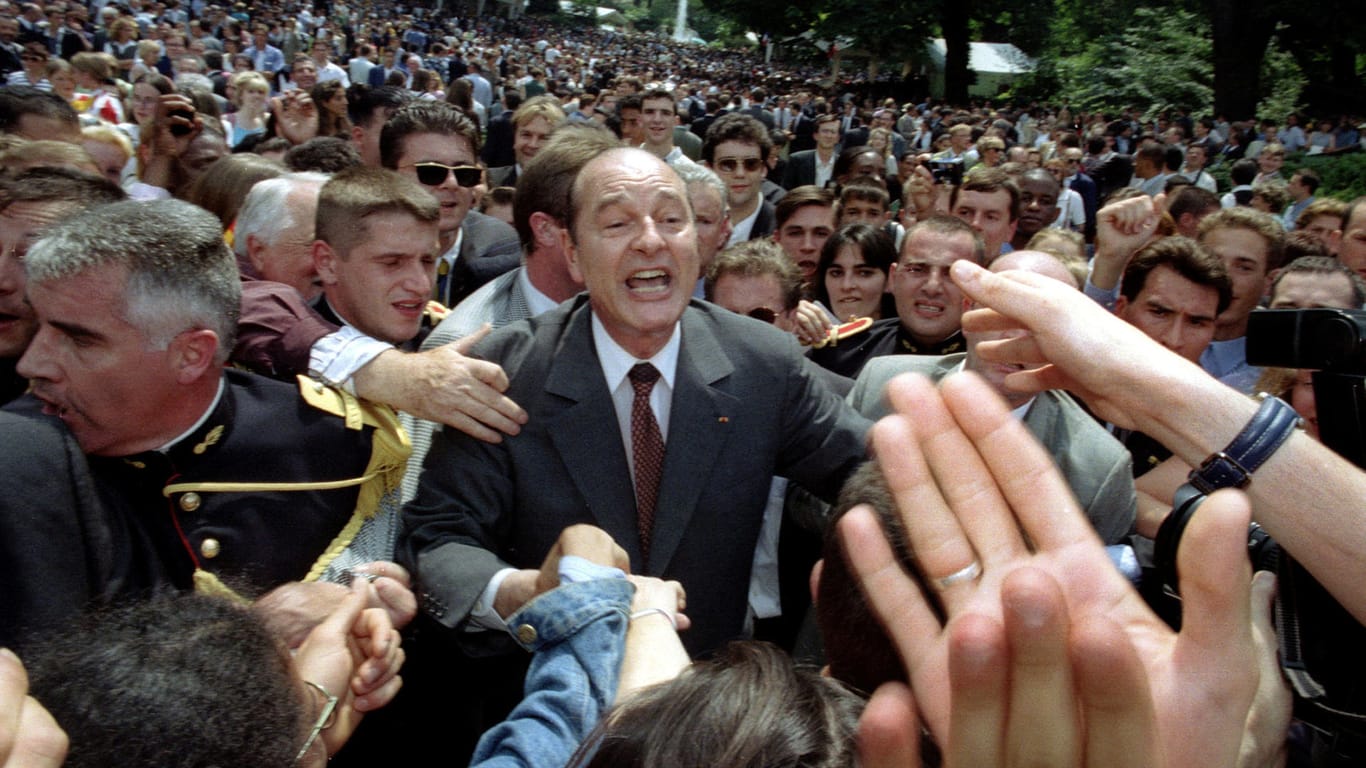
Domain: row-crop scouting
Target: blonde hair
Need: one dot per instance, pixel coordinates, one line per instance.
(107, 134)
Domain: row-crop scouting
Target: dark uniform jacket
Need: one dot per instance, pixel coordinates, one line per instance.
(885, 337)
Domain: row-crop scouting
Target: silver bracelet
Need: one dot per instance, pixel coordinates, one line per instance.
(641, 614)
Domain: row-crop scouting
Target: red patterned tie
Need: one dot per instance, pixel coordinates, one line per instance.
(647, 451)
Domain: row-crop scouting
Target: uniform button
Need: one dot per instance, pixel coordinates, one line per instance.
(189, 502)
(526, 634)
(210, 548)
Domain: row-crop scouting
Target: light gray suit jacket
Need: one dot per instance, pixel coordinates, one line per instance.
(497, 303)
(744, 409)
(1094, 463)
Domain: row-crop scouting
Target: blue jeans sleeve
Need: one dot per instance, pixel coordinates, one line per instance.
(578, 635)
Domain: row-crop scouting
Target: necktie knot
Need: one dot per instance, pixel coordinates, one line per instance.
(643, 377)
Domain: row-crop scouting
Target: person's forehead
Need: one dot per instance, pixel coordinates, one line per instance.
(1236, 242)
(760, 290)
(436, 147)
(1169, 284)
(1039, 187)
(1317, 288)
(705, 199)
(740, 149)
(809, 216)
(925, 246)
(998, 200)
(25, 217)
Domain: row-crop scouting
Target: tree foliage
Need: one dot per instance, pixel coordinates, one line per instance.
(1160, 61)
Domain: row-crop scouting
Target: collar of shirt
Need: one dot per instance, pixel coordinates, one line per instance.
(454, 251)
(616, 362)
(536, 302)
(740, 230)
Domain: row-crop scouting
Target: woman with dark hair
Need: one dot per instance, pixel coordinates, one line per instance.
(853, 272)
(461, 94)
(330, 98)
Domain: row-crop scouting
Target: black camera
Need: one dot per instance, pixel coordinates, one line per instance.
(947, 171)
(178, 129)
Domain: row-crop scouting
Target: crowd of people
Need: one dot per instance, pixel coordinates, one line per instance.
(382, 383)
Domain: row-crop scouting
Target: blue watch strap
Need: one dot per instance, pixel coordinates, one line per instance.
(1232, 467)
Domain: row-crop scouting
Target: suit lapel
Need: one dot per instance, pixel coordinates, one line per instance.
(699, 428)
(586, 436)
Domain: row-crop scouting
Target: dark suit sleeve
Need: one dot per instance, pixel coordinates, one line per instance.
(823, 436)
(56, 551)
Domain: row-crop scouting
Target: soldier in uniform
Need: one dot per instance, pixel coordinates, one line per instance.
(221, 481)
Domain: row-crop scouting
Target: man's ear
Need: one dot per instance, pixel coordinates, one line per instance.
(571, 255)
(545, 230)
(254, 250)
(1121, 302)
(815, 582)
(192, 354)
(325, 261)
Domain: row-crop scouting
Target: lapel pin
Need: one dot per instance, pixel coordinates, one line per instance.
(723, 419)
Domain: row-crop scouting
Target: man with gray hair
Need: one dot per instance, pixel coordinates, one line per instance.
(204, 470)
(711, 214)
(274, 232)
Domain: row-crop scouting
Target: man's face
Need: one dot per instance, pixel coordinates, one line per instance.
(959, 140)
(632, 132)
(657, 118)
(804, 234)
(855, 211)
(743, 294)
(1038, 204)
(20, 224)
(1297, 188)
(449, 150)
(827, 135)
(634, 247)
(382, 286)
(1244, 254)
(305, 75)
(93, 369)
(321, 53)
(1270, 162)
(710, 220)
(9, 30)
(1174, 311)
(1323, 227)
(175, 46)
(989, 213)
(289, 259)
(530, 136)
(740, 166)
(929, 304)
(1195, 158)
(1311, 290)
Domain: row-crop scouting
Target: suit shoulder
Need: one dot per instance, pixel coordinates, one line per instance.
(488, 235)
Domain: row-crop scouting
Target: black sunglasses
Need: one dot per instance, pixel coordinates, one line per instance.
(434, 174)
(763, 314)
(729, 164)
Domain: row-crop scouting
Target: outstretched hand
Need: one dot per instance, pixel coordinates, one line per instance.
(993, 525)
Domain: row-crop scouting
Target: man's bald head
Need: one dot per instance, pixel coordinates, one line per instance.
(1045, 264)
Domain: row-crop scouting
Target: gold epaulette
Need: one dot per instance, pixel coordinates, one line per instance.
(436, 311)
(389, 452)
(840, 332)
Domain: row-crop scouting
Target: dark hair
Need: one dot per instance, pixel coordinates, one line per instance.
(1191, 261)
(363, 102)
(180, 681)
(739, 128)
(877, 249)
(324, 154)
(1308, 178)
(16, 101)
(328, 123)
(748, 708)
(424, 117)
(1191, 199)
(1243, 171)
(798, 198)
(72, 189)
(1323, 265)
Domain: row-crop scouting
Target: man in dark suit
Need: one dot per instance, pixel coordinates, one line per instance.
(436, 144)
(756, 108)
(1083, 185)
(815, 166)
(531, 125)
(497, 151)
(660, 420)
(737, 149)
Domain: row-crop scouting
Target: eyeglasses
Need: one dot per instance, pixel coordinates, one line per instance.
(763, 314)
(729, 164)
(435, 174)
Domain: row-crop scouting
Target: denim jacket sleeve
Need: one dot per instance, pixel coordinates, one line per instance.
(578, 635)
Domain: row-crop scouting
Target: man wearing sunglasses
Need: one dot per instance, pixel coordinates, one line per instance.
(737, 148)
(438, 146)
